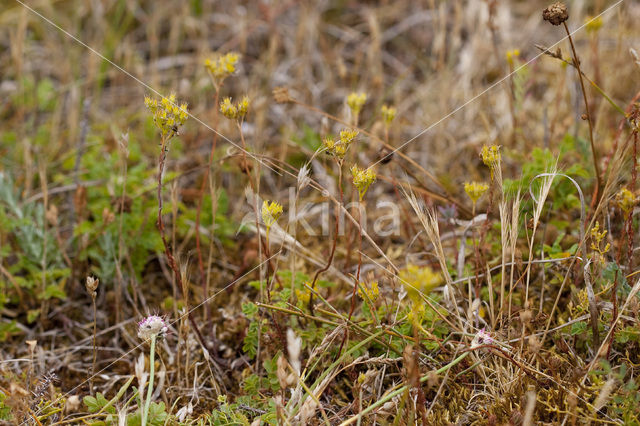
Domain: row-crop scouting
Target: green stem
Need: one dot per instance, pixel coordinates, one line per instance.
(145, 413)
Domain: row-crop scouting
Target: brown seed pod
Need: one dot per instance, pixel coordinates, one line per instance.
(556, 14)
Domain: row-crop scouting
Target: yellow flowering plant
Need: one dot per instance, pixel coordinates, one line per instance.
(512, 55)
(388, 114)
(356, 101)
(369, 292)
(221, 67)
(475, 190)
(419, 281)
(491, 158)
(271, 212)
(338, 148)
(626, 201)
(362, 179)
(167, 115)
(235, 111)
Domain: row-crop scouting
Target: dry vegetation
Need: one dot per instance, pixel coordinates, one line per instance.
(176, 263)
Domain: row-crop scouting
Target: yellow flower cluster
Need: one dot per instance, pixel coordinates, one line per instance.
(417, 281)
(388, 114)
(369, 292)
(592, 25)
(223, 66)
(362, 179)
(475, 190)
(304, 295)
(356, 101)
(512, 55)
(271, 211)
(417, 313)
(339, 148)
(167, 115)
(491, 157)
(234, 111)
(626, 201)
(596, 240)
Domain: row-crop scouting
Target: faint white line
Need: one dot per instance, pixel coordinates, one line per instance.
(496, 83)
(44, 18)
(171, 323)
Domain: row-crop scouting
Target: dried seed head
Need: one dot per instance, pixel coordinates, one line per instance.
(556, 14)
(91, 284)
(303, 177)
(282, 373)
(108, 216)
(294, 345)
(52, 215)
(281, 95)
(72, 404)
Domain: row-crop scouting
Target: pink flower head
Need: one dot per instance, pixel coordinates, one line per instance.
(153, 325)
(484, 338)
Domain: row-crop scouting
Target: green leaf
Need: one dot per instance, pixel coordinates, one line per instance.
(578, 328)
(32, 315)
(7, 329)
(51, 291)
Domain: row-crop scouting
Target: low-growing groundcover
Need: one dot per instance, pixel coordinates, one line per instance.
(217, 213)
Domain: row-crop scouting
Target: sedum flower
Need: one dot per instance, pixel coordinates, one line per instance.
(475, 190)
(369, 292)
(592, 25)
(153, 325)
(271, 211)
(222, 66)
(512, 55)
(356, 101)
(388, 114)
(348, 135)
(597, 238)
(491, 157)
(339, 148)
(228, 109)
(417, 312)
(168, 116)
(419, 280)
(235, 111)
(304, 295)
(362, 179)
(626, 201)
(243, 107)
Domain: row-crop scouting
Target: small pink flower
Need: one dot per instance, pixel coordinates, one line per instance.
(482, 338)
(153, 325)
